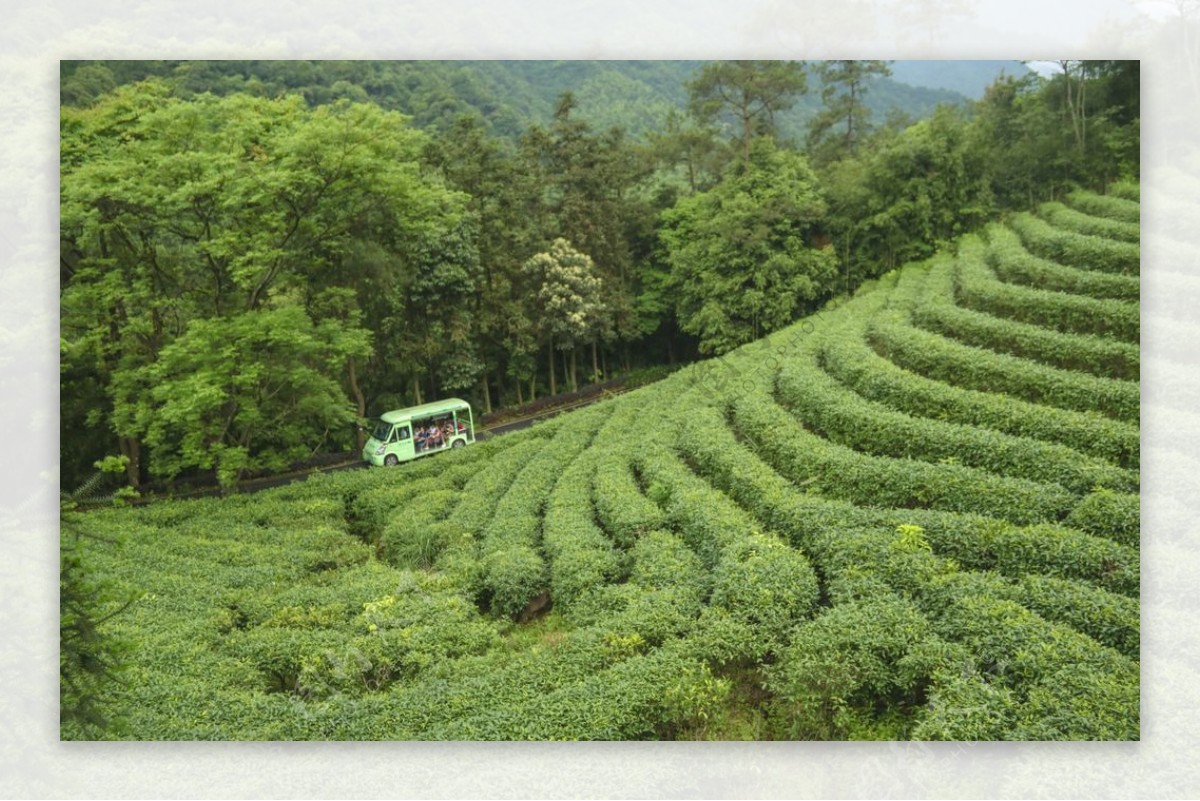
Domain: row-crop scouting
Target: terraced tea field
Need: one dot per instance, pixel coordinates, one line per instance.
(913, 515)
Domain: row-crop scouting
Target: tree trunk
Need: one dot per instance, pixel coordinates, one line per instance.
(361, 404)
(487, 394)
(747, 117)
(417, 390)
(131, 448)
(596, 375)
(553, 385)
(574, 372)
(520, 399)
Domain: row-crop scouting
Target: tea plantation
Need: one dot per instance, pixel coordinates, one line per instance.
(912, 515)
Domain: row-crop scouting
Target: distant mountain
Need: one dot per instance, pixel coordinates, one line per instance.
(638, 95)
(511, 95)
(968, 78)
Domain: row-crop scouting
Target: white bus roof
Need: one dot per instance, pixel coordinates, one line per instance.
(425, 410)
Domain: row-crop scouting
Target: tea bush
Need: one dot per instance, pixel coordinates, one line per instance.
(1006, 254)
(1112, 207)
(1074, 218)
(974, 287)
(1076, 250)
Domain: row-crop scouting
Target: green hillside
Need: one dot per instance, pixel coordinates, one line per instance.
(967, 78)
(911, 515)
(508, 95)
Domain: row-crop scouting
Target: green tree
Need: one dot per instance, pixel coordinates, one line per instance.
(685, 147)
(214, 209)
(918, 190)
(744, 258)
(255, 390)
(841, 125)
(748, 93)
(569, 298)
(90, 658)
(587, 197)
(499, 196)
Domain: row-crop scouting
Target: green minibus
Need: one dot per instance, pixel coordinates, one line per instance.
(406, 434)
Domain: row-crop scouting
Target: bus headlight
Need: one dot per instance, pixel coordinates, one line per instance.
(379, 451)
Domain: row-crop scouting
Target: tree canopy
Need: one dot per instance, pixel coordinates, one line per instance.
(258, 255)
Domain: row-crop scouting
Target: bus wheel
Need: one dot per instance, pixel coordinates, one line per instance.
(390, 460)
(458, 443)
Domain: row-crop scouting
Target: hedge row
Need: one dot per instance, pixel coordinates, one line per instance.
(836, 471)
(975, 323)
(1076, 218)
(1076, 250)
(456, 538)
(390, 495)
(1114, 620)
(845, 418)
(973, 285)
(1013, 263)
(855, 659)
(418, 624)
(580, 555)
(976, 542)
(936, 357)
(1126, 190)
(626, 670)
(851, 361)
(412, 537)
(621, 508)
(1109, 514)
(1048, 681)
(646, 694)
(620, 505)
(756, 578)
(514, 572)
(997, 633)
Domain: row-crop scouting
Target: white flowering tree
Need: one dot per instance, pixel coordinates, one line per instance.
(569, 302)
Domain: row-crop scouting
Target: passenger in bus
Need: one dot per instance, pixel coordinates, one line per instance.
(420, 440)
(435, 437)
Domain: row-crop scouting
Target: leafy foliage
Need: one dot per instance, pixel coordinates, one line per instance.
(912, 514)
(743, 256)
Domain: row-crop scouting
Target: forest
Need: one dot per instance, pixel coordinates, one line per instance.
(256, 257)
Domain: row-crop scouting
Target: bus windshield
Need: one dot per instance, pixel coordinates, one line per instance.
(382, 431)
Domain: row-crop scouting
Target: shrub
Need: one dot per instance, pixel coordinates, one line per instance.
(766, 584)
(1115, 206)
(970, 282)
(845, 418)
(975, 368)
(835, 471)
(1109, 514)
(1113, 620)
(1077, 219)
(858, 671)
(1077, 250)
(1012, 262)
(850, 360)
(620, 505)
